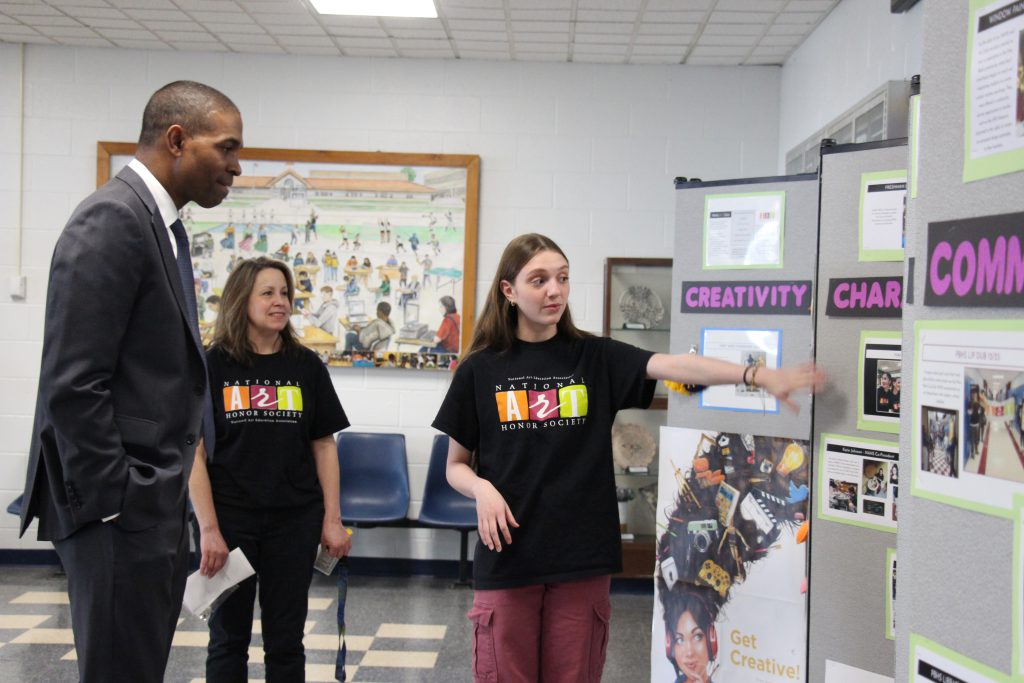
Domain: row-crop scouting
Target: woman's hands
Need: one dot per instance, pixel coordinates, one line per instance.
(214, 551)
(493, 516)
(335, 538)
(782, 382)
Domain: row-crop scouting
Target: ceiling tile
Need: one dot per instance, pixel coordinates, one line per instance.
(222, 17)
(601, 39)
(611, 4)
(736, 41)
(674, 17)
(741, 17)
(482, 45)
(717, 51)
(219, 29)
(278, 19)
(602, 27)
(71, 32)
(172, 25)
(86, 42)
(533, 37)
(53, 21)
(353, 31)
(750, 5)
(305, 41)
(18, 30)
(674, 4)
(141, 44)
(156, 15)
(184, 36)
(262, 49)
(504, 56)
(476, 25)
(234, 39)
(595, 49)
(35, 10)
(435, 33)
(540, 15)
(126, 34)
(668, 29)
(481, 36)
(663, 40)
(605, 15)
(678, 50)
(299, 31)
(788, 41)
(799, 18)
(540, 4)
(208, 5)
(74, 5)
(788, 30)
(734, 29)
(81, 13)
(526, 46)
(473, 13)
(421, 44)
(811, 5)
(545, 26)
(693, 60)
(318, 50)
(358, 41)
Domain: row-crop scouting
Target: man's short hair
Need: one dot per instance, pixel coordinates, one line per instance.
(186, 103)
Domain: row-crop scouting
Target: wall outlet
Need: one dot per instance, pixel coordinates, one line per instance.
(17, 284)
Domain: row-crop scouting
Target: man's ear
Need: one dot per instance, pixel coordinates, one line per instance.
(174, 138)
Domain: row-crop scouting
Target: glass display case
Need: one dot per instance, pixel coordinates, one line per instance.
(637, 310)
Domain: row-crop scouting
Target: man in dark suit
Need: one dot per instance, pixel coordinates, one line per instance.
(123, 384)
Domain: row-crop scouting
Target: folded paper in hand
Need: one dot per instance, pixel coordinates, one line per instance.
(203, 594)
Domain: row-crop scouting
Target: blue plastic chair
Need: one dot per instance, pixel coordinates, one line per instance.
(374, 478)
(15, 507)
(446, 508)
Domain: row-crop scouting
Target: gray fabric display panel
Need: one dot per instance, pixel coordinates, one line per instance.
(800, 236)
(847, 592)
(955, 566)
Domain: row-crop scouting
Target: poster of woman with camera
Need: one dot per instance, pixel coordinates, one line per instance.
(728, 603)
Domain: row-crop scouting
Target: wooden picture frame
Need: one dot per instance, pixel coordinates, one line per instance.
(333, 204)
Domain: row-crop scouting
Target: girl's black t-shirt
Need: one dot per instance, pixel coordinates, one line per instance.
(266, 418)
(539, 417)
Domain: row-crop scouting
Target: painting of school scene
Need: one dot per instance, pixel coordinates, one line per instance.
(382, 248)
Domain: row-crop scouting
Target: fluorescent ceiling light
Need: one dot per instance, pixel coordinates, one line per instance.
(377, 8)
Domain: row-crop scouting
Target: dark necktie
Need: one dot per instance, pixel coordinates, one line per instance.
(192, 316)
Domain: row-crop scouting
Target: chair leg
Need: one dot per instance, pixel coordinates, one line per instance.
(464, 580)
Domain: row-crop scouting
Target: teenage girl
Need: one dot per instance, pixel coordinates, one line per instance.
(529, 413)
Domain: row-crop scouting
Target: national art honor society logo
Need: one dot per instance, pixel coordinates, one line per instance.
(256, 399)
(535, 403)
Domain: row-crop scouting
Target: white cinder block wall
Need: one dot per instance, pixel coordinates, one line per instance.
(584, 153)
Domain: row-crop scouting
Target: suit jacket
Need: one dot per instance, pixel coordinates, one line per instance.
(121, 383)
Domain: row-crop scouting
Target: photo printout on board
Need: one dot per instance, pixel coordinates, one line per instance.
(859, 481)
(968, 403)
(880, 386)
(995, 89)
(744, 230)
(883, 215)
(752, 348)
(728, 605)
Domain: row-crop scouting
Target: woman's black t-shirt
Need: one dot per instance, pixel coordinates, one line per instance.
(266, 417)
(539, 417)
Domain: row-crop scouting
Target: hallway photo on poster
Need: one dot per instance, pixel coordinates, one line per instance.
(968, 441)
(728, 605)
(993, 401)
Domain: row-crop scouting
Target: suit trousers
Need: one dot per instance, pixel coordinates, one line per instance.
(281, 546)
(125, 589)
(552, 633)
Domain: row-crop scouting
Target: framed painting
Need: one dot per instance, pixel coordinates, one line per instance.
(382, 246)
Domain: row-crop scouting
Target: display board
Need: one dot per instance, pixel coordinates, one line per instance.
(940, 539)
(858, 499)
(734, 476)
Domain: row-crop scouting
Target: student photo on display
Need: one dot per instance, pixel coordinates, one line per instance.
(529, 412)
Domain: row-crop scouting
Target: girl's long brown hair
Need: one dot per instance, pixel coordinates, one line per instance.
(231, 332)
(496, 327)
